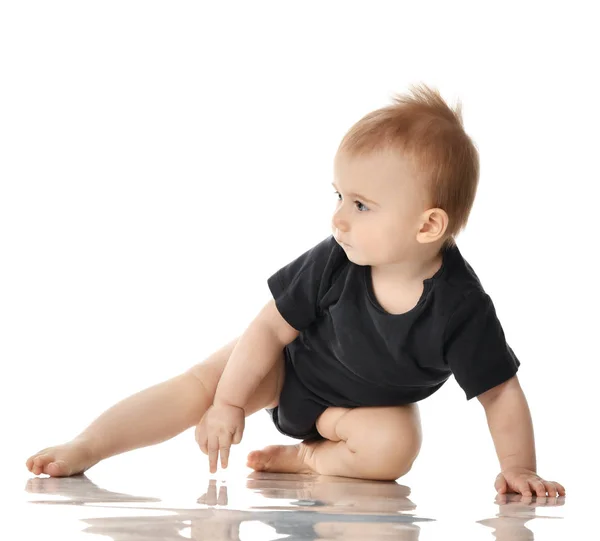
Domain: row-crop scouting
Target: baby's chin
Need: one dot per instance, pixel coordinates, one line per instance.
(355, 255)
(352, 255)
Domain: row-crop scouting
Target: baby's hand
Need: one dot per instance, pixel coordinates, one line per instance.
(221, 426)
(524, 481)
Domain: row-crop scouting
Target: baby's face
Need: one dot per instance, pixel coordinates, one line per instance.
(383, 229)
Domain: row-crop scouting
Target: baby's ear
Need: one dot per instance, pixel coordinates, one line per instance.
(434, 225)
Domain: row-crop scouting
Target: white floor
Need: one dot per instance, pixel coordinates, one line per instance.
(166, 493)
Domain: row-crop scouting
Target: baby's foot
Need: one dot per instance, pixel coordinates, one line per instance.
(63, 460)
(281, 458)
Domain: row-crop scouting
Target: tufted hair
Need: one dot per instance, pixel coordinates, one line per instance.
(425, 129)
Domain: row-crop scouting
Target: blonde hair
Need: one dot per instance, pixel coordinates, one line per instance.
(431, 134)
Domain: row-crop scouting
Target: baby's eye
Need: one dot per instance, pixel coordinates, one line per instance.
(358, 203)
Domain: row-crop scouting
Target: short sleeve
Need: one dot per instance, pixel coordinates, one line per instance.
(299, 286)
(475, 347)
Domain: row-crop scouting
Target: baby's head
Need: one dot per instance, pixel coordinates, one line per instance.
(415, 171)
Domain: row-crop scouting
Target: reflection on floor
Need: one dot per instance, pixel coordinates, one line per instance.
(268, 506)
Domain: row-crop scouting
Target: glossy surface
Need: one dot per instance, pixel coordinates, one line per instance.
(236, 505)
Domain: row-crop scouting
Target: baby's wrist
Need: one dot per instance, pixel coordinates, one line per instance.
(222, 402)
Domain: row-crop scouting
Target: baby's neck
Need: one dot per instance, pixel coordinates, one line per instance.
(410, 272)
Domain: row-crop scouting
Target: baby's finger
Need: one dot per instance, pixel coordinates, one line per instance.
(202, 442)
(202, 439)
(538, 487)
(237, 437)
(213, 453)
(224, 445)
(552, 490)
(524, 488)
(561, 489)
(224, 456)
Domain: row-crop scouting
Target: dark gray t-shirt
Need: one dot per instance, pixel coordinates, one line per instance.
(352, 353)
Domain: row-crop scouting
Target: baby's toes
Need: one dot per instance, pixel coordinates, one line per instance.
(31, 460)
(58, 468)
(39, 463)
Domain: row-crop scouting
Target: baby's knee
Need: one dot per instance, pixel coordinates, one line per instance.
(390, 437)
(209, 371)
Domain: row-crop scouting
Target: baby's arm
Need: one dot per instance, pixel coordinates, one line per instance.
(511, 427)
(254, 356)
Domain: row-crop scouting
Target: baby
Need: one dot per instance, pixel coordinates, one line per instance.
(362, 326)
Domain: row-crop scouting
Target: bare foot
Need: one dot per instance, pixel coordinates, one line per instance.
(63, 460)
(281, 458)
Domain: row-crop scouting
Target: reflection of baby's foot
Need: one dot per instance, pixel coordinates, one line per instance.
(281, 458)
(60, 486)
(63, 460)
(79, 489)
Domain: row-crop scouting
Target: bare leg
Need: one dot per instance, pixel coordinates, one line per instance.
(151, 416)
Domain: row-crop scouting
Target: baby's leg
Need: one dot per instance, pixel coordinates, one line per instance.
(151, 416)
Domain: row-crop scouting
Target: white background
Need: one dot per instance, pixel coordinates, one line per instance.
(160, 160)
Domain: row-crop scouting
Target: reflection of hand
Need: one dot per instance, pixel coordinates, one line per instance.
(210, 496)
(512, 503)
(221, 426)
(524, 481)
